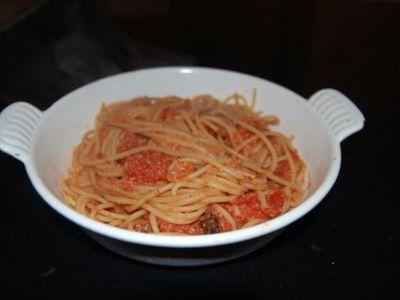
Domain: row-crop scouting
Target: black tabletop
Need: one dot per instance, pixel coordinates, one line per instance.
(344, 248)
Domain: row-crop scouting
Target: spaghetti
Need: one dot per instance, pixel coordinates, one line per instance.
(184, 166)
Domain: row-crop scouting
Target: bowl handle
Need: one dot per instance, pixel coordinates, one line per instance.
(18, 122)
(339, 112)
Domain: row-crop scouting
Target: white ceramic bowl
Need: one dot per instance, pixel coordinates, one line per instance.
(44, 141)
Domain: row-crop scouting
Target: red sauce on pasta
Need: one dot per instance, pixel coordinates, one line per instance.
(174, 165)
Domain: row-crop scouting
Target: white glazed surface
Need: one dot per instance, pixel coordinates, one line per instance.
(61, 127)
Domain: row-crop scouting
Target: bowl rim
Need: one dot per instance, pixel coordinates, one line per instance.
(178, 241)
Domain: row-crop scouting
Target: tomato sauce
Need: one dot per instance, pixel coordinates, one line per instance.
(168, 113)
(250, 207)
(142, 225)
(243, 132)
(277, 146)
(283, 170)
(131, 140)
(148, 167)
(194, 228)
(179, 169)
(275, 204)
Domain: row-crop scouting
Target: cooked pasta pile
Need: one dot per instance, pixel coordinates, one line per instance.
(184, 166)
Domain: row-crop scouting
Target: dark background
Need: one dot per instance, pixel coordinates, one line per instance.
(344, 248)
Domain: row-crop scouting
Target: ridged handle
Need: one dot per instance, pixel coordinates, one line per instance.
(339, 112)
(18, 123)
